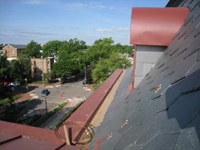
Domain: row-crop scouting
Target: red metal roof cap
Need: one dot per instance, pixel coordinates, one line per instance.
(156, 26)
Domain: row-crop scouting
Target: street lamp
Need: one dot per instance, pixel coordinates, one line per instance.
(85, 81)
(46, 104)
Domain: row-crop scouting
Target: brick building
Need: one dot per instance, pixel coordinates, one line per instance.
(40, 65)
(13, 50)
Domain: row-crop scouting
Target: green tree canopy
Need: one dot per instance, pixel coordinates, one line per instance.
(105, 67)
(4, 67)
(71, 58)
(124, 48)
(32, 50)
(73, 45)
(21, 67)
(51, 48)
(102, 48)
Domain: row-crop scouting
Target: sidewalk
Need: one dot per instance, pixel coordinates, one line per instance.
(24, 96)
(57, 84)
(60, 114)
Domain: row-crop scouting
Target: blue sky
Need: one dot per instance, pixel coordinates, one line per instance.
(43, 20)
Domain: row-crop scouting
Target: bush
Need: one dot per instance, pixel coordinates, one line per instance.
(96, 86)
(17, 79)
(66, 116)
(45, 118)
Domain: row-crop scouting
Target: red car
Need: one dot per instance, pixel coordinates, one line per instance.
(5, 83)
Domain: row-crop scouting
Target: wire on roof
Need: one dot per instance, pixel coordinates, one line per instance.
(85, 125)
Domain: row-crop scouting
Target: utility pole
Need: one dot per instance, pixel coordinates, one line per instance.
(26, 84)
(46, 104)
(85, 81)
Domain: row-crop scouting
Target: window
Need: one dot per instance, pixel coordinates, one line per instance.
(48, 63)
(5, 51)
(34, 63)
(48, 69)
(35, 71)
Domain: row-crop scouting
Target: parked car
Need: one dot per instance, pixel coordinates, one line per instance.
(5, 83)
(8, 88)
(14, 84)
(74, 79)
(32, 118)
(81, 75)
(45, 92)
(19, 106)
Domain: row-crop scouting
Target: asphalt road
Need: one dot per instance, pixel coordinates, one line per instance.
(69, 91)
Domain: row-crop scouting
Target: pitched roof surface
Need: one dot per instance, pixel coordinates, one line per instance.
(18, 46)
(170, 117)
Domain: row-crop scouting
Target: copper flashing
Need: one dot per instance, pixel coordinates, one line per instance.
(156, 26)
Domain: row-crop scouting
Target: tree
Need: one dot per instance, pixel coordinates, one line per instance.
(32, 50)
(73, 45)
(124, 48)
(4, 71)
(4, 67)
(71, 58)
(48, 76)
(11, 112)
(1, 46)
(101, 72)
(67, 64)
(105, 67)
(51, 48)
(102, 48)
(21, 67)
(15, 69)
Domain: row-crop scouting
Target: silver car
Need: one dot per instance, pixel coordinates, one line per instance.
(45, 92)
(14, 84)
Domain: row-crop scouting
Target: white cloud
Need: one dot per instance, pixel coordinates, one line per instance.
(112, 30)
(122, 29)
(35, 32)
(104, 30)
(33, 2)
(95, 5)
(78, 5)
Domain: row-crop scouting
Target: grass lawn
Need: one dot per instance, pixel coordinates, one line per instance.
(41, 82)
(4, 101)
(66, 116)
(44, 119)
(45, 82)
(25, 101)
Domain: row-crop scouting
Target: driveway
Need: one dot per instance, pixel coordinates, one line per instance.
(68, 90)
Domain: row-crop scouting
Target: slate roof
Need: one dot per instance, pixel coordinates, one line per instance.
(18, 46)
(169, 118)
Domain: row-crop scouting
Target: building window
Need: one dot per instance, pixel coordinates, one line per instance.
(5, 51)
(35, 71)
(48, 63)
(48, 69)
(34, 63)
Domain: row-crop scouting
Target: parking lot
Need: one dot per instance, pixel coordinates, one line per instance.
(68, 91)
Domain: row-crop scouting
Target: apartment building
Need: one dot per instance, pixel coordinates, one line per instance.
(39, 66)
(13, 50)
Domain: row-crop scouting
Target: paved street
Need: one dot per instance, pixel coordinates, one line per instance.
(69, 91)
